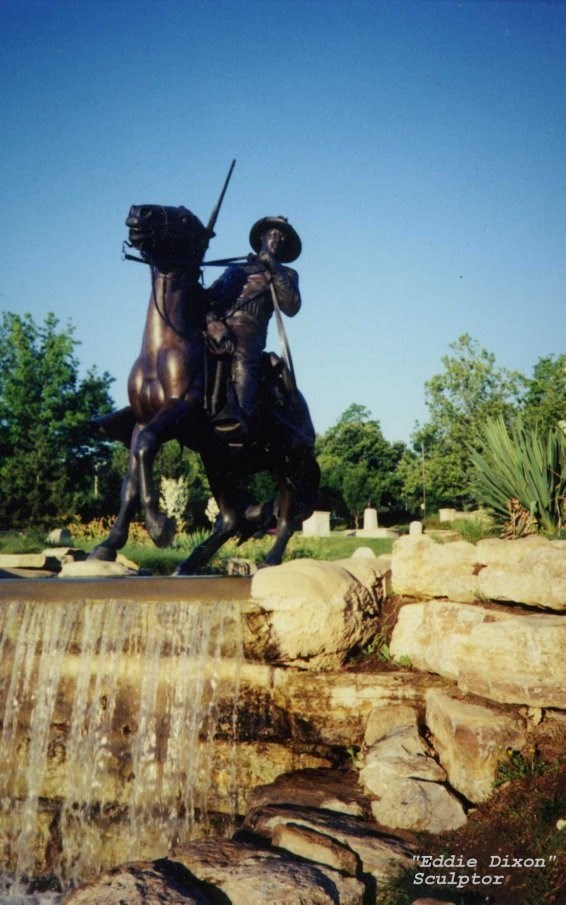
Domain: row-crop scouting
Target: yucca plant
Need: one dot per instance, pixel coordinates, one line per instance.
(518, 469)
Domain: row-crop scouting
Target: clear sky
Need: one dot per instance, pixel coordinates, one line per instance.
(417, 147)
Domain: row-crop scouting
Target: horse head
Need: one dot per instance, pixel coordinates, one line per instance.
(170, 234)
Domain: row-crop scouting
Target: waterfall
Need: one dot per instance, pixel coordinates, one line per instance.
(110, 715)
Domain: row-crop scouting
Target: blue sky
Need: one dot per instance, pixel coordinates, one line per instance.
(417, 147)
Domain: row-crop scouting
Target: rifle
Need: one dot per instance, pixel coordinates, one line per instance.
(214, 215)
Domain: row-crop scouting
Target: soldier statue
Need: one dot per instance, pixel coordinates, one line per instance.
(242, 301)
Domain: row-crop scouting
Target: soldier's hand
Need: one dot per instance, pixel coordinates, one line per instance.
(268, 260)
(220, 339)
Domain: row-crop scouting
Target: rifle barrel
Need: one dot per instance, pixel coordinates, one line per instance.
(214, 214)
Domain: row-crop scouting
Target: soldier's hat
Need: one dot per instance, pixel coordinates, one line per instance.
(292, 247)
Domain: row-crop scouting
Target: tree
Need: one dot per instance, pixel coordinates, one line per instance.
(358, 465)
(471, 389)
(544, 403)
(47, 453)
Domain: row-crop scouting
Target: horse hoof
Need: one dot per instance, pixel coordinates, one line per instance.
(179, 573)
(162, 530)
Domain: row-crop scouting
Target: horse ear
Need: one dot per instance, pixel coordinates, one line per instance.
(188, 217)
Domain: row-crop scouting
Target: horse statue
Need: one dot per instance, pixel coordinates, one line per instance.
(175, 389)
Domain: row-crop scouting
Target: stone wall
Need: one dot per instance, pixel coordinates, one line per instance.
(486, 678)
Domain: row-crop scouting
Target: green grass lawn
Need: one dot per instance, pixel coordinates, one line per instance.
(334, 547)
(164, 562)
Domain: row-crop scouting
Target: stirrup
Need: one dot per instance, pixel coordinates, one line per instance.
(230, 423)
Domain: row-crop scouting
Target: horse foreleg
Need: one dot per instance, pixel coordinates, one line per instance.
(163, 427)
(118, 535)
(160, 527)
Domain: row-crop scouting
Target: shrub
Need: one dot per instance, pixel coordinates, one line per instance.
(520, 474)
(97, 529)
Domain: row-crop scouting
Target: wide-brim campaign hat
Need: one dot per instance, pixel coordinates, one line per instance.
(293, 245)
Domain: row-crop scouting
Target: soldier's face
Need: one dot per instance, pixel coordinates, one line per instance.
(273, 241)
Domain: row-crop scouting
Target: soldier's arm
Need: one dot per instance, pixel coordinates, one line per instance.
(286, 283)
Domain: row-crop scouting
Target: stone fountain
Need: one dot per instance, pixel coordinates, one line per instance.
(140, 715)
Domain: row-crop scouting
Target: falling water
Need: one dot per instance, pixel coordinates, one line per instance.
(110, 714)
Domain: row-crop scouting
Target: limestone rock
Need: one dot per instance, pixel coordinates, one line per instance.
(95, 568)
(39, 561)
(418, 805)
(334, 709)
(378, 852)
(424, 568)
(470, 739)
(129, 563)
(251, 876)
(383, 720)
(401, 754)
(530, 570)
(239, 566)
(26, 573)
(311, 613)
(315, 846)
(65, 554)
(494, 551)
(505, 656)
(141, 883)
(371, 572)
(258, 764)
(405, 785)
(331, 790)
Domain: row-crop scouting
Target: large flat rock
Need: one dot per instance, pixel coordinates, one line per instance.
(379, 853)
(471, 738)
(502, 655)
(251, 876)
(530, 571)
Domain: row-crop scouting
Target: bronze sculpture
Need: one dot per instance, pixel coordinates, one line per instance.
(242, 300)
(182, 388)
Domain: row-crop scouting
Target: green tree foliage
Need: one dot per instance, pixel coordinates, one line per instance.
(358, 465)
(47, 453)
(544, 403)
(470, 389)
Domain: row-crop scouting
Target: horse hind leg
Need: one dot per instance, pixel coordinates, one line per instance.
(296, 501)
(286, 527)
(203, 553)
(232, 506)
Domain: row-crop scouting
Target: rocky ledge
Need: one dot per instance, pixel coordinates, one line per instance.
(485, 678)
